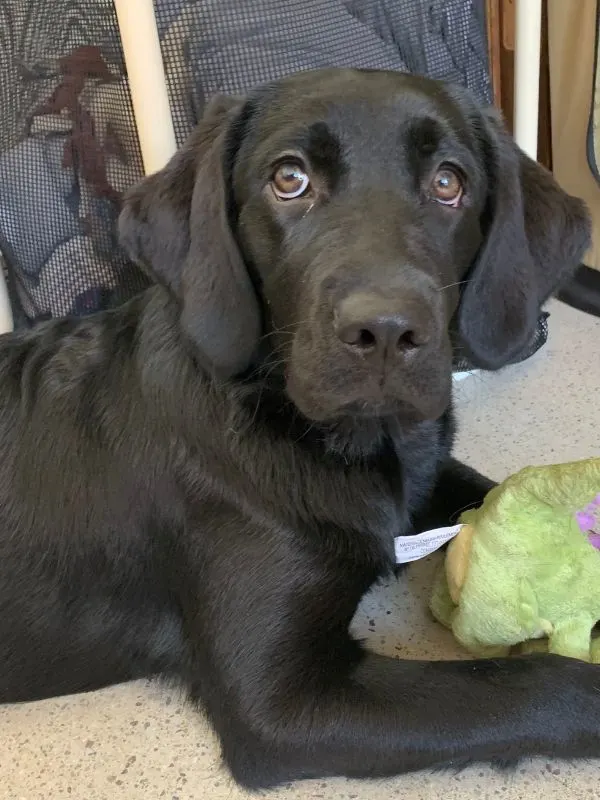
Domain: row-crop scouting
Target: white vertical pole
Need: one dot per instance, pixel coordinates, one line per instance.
(528, 35)
(147, 82)
(6, 317)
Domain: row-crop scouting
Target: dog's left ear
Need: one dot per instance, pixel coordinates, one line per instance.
(535, 236)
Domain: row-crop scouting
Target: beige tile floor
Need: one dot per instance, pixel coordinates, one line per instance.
(139, 741)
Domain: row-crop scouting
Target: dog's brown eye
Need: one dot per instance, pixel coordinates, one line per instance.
(290, 181)
(447, 187)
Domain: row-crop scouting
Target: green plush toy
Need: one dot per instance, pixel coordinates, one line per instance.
(526, 565)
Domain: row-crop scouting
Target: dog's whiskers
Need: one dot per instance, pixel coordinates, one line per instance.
(451, 285)
(285, 329)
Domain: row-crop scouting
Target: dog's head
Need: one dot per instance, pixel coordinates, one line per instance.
(340, 224)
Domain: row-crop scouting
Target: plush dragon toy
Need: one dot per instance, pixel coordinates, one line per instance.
(524, 570)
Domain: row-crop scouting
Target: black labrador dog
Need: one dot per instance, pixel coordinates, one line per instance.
(203, 483)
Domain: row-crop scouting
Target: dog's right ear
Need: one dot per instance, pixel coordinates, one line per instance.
(175, 224)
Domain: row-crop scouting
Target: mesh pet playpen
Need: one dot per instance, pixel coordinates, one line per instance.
(96, 93)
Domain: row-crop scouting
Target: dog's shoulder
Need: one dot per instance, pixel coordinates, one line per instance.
(46, 361)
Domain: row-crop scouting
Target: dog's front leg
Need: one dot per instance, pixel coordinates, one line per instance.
(292, 696)
(457, 488)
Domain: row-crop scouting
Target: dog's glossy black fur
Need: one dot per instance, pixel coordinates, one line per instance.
(204, 483)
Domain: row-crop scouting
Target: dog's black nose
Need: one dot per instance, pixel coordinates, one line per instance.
(387, 327)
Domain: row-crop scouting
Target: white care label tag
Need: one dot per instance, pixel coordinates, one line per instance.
(412, 548)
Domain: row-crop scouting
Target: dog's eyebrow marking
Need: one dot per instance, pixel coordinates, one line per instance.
(425, 135)
(323, 149)
(322, 141)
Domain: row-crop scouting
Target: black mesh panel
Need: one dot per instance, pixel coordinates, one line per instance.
(231, 46)
(68, 149)
(68, 145)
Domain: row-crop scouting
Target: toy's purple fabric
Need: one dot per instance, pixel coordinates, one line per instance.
(589, 521)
